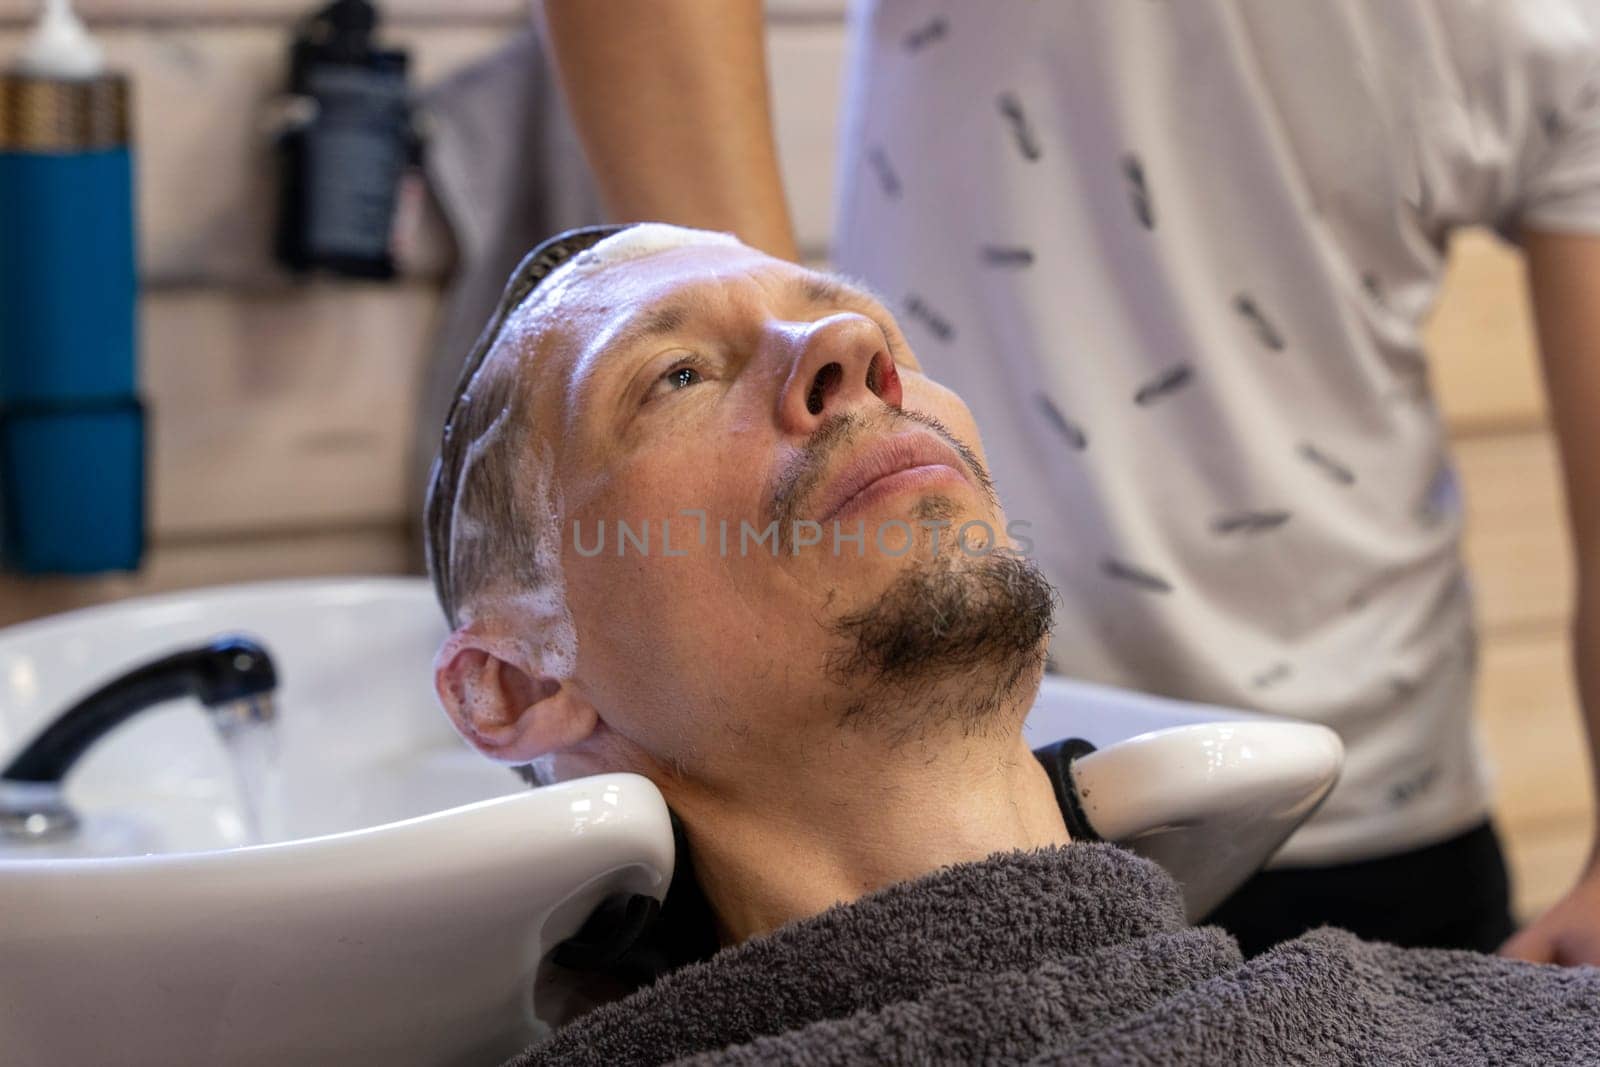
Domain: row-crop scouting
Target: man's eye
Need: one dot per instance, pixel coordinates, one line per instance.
(681, 376)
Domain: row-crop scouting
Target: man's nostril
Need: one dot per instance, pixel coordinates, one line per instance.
(823, 384)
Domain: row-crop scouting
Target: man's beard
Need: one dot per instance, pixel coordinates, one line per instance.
(950, 643)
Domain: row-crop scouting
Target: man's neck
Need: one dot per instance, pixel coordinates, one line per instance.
(857, 827)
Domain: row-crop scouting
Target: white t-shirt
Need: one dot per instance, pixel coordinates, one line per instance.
(1176, 254)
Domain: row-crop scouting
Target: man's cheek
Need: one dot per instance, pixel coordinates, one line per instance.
(925, 394)
(956, 417)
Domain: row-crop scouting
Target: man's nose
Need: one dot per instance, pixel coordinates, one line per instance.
(841, 362)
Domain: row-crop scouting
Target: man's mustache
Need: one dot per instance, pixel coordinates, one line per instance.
(800, 476)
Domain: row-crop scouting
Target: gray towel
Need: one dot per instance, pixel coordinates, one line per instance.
(507, 168)
(1078, 955)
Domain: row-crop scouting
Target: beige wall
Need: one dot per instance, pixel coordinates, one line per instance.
(282, 410)
(1487, 373)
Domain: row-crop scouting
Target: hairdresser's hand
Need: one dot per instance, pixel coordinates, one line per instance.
(672, 104)
(1569, 932)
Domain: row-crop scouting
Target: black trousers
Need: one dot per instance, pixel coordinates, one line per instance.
(1455, 894)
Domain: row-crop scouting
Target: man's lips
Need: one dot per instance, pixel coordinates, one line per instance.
(914, 459)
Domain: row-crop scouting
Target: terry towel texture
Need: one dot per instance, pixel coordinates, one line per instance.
(1078, 955)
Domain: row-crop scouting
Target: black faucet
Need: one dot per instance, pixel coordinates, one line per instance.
(232, 676)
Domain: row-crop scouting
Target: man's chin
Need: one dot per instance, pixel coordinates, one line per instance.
(953, 635)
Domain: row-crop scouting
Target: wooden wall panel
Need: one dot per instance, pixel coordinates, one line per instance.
(286, 408)
(1545, 862)
(189, 564)
(1488, 379)
(806, 65)
(101, 14)
(1485, 363)
(117, 12)
(1528, 713)
(1517, 544)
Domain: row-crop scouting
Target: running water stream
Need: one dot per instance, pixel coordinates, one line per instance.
(251, 739)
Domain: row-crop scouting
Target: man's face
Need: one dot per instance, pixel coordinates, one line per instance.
(750, 419)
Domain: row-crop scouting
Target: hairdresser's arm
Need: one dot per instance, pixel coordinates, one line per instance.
(1564, 273)
(670, 99)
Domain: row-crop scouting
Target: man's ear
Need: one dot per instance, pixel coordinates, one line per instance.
(503, 706)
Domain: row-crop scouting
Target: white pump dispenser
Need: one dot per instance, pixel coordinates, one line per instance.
(60, 46)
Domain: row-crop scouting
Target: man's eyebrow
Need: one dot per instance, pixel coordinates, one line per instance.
(656, 322)
(828, 289)
(669, 318)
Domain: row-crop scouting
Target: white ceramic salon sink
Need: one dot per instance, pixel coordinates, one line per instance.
(401, 920)
(402, 915)
(1209, 793)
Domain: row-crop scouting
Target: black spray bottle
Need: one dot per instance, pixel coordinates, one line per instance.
(346, 147)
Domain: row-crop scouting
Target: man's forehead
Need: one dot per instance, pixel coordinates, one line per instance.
(659, 294)
(612, 309)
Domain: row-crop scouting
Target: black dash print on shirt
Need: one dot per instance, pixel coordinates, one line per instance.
(1373, 285)
(1550, 121)
(1330, 466)
(1168, 382)
(888, 180)
(1127, 572)
(1404, 792)
(1138, 191)
(932, 30)
(1248, 522)
(937, 324)
(1266, 333)
(1021, 129)
(1401, 688)
(1064, 426)
(1276, 674)
(1007, 256)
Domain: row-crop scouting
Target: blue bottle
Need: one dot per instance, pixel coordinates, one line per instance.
(72, 428)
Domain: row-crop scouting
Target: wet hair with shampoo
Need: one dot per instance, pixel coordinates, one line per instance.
(484, 514)
(493, 502)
